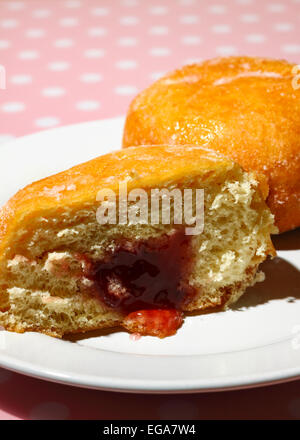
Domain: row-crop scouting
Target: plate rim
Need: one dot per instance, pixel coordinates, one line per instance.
(9, 142)
(153, 386)
(221, 383)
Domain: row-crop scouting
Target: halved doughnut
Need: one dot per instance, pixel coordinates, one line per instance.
(62, 270)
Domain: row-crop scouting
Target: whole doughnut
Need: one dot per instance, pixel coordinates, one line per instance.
(247, 108)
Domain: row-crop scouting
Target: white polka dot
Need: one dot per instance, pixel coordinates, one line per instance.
(91, 77)
(158, 10)
(3, 139)
(88, 105)
(191, 40)
(283, 27)
(126, 64)
(21, 79)
(63, 43)
(15, 6)
(276, 7)
(158, 30)
(100, 11)
(9, 23)
(4, 44)
(68, 21)
(221, 28)
(126, 90)
(160, 51)
(244, 2)
(13, 107)
(188, 19)
(2, 77)
(129, 3)
(226, 50)
(58, 66)
(193, 60)
(127, 41)
(291, 48)
(255, 38)
(177, 408)
(156, 75)
(294, 408)
(73, 4)
(94, 53)
(97, 31)
(28, 54)
(50, 411)
(41, 13)
(35, 33)
(129, 21)
(53, 92)
(48, 121)
(5, 375)
(186, 2)
(217, 9)
(249, 18)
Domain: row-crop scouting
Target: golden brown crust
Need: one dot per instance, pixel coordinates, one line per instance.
(244, 107)
(53, 203)
(79, 185)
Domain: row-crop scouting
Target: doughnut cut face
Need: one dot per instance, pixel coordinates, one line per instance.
(246, 108)
(146, 274)
(61, 271)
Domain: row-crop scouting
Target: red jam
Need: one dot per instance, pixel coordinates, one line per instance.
(145, 276)
(144, 280)
(158, 322)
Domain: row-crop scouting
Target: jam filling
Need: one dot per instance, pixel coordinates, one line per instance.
(144, 280)
(158, 322)
(144, 276)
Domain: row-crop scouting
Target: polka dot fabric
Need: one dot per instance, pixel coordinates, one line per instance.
(72, 61)
(78, 60)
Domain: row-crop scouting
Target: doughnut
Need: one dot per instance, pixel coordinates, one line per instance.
(71, 261)
(247, 108)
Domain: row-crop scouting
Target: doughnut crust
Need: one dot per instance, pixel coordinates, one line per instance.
(61, 271)
(246, 108)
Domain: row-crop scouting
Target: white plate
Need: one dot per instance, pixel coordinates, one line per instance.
(256, 342)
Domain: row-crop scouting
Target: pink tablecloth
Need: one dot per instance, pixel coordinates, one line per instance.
(77, 60)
